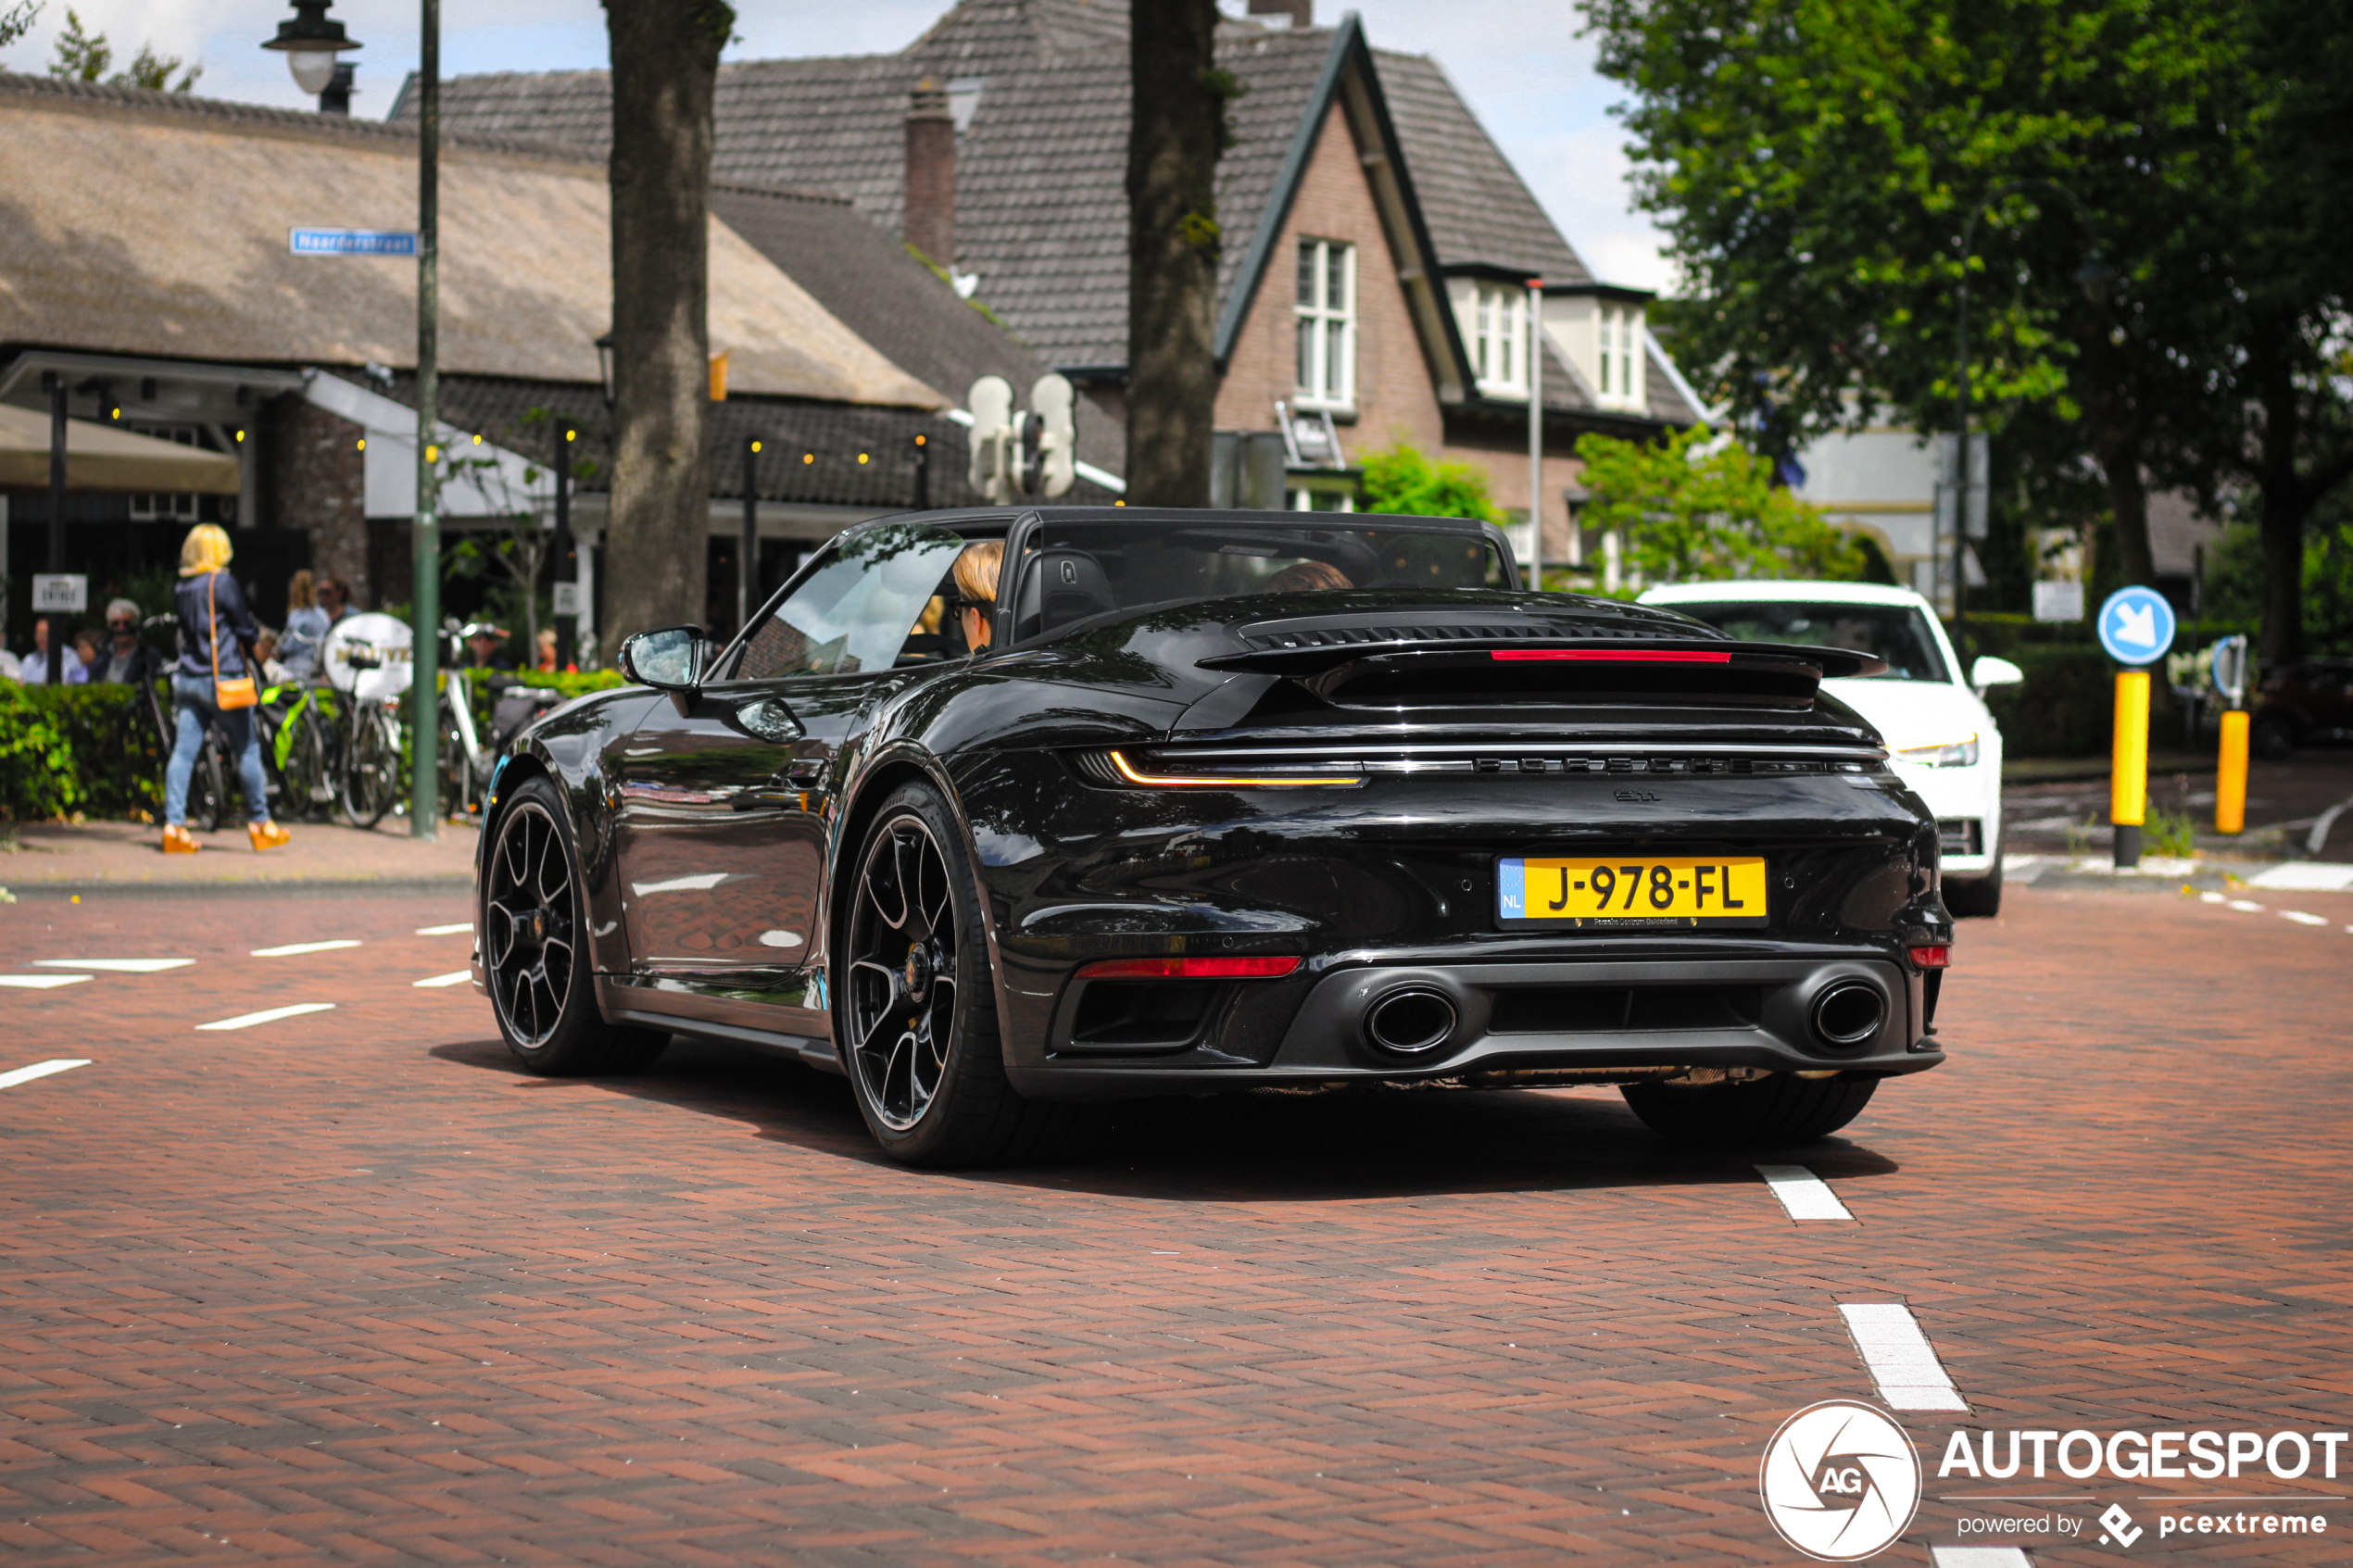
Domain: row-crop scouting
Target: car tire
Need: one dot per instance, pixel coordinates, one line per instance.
(1781, 1109)
(915, 1002)
(2272, 739)
(533, 927)
(1980, 896)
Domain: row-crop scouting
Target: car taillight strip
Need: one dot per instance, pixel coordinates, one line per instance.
(1192, 968)
(1129, 771)
(1931, 958)
(1610, 655)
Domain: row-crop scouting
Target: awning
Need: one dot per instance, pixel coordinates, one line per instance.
(101, 457)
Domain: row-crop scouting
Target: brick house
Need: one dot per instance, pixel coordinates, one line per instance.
(1378, 245)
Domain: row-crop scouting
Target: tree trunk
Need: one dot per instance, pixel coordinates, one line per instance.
(1174, 139)
(665, 65)
(2128, 501)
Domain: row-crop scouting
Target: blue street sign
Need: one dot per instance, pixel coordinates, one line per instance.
(351, 241)
(2136, 626)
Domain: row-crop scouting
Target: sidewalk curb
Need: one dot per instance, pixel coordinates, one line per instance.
(290, 887)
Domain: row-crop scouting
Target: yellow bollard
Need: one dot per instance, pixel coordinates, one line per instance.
(2128, 790)
(2230, 774)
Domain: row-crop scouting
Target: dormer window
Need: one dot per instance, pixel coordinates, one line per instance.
(1599, 328)
(1497, 329)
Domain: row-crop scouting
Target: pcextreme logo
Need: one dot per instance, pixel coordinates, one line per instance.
(1840, 1481)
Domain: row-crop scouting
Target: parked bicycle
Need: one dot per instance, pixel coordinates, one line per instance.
(468, 755)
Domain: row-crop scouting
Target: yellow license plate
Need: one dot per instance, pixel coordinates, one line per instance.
(1633, 890)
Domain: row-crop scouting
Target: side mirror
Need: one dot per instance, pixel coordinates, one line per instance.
(1991, 671)
(669, 661)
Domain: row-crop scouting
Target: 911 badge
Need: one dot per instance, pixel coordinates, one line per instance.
(1840, 1481)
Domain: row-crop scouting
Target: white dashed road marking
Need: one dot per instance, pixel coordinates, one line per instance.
(295, 949)
(455, 977)
(2210, 897)
(1980, 1557)
(2252, 909)
(40, 981)
(41, 1069)
(1902, 1363)
(269, 1015)
(2298, 916)
(1804, 1194)
(117, 966)
(461, 929)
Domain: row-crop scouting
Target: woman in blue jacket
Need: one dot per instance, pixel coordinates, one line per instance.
(216, 628)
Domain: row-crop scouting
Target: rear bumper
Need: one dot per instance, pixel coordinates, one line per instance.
(1519, 1022)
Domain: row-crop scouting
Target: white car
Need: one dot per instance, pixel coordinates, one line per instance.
(1935, 723)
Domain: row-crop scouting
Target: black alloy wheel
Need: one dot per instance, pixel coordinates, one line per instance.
(533, 935)
(915, 1016)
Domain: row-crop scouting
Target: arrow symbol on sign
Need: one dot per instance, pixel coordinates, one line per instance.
(2136, 624)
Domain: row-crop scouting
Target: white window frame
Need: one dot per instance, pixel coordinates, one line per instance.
(1498, 332)
(1325, 348)
(174, 507)
(1618, 355)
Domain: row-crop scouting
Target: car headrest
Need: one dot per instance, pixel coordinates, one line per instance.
(1059, 586)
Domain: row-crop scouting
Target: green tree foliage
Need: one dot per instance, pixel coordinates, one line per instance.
(1697, 509)
(18, 19)
(1400, 480)
(1816, 162)
(84, 56)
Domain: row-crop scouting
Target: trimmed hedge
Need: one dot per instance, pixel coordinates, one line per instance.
(63, 749)
(94, 750)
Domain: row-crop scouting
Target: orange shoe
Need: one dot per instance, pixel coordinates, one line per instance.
(178, 840)
(267, 836)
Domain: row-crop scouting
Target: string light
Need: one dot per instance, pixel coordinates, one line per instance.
(861, 456)
(808, 457)
(363, 443)
(755, 446)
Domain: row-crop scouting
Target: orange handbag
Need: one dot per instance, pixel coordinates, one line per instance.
(229, 692)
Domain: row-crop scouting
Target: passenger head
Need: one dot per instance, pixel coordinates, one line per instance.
(1308, 575)
(975, 572)
(205, 549)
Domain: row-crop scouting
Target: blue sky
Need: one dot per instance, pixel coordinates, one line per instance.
(1523, 68)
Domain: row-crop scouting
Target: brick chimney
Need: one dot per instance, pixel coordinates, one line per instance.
(1301, 12)
(931, 173)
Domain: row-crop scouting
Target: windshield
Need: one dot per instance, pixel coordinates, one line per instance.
(863, 610)
(1082, 568)
(1898, 634)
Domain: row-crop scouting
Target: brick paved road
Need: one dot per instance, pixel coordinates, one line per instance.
(346, 1288)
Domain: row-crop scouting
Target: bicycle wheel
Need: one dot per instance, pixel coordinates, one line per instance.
(371, 772)
(308, 793)
(207, 787)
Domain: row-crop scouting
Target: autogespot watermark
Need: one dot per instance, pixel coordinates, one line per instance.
(1841, 1482)
(2186, 1455)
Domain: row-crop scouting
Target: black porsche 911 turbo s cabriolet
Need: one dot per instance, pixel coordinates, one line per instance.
(997, 812)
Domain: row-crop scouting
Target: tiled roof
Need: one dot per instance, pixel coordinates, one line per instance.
(1475, 203)
(1042, 204)
(157, 222)
(871, 284)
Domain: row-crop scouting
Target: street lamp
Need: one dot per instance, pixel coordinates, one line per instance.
(2096, 278)
(310, 41)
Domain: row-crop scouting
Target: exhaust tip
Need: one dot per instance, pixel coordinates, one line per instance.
(1849, 1013)
(1410, 1021)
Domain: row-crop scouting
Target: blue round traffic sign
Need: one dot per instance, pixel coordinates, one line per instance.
(2136, 626)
